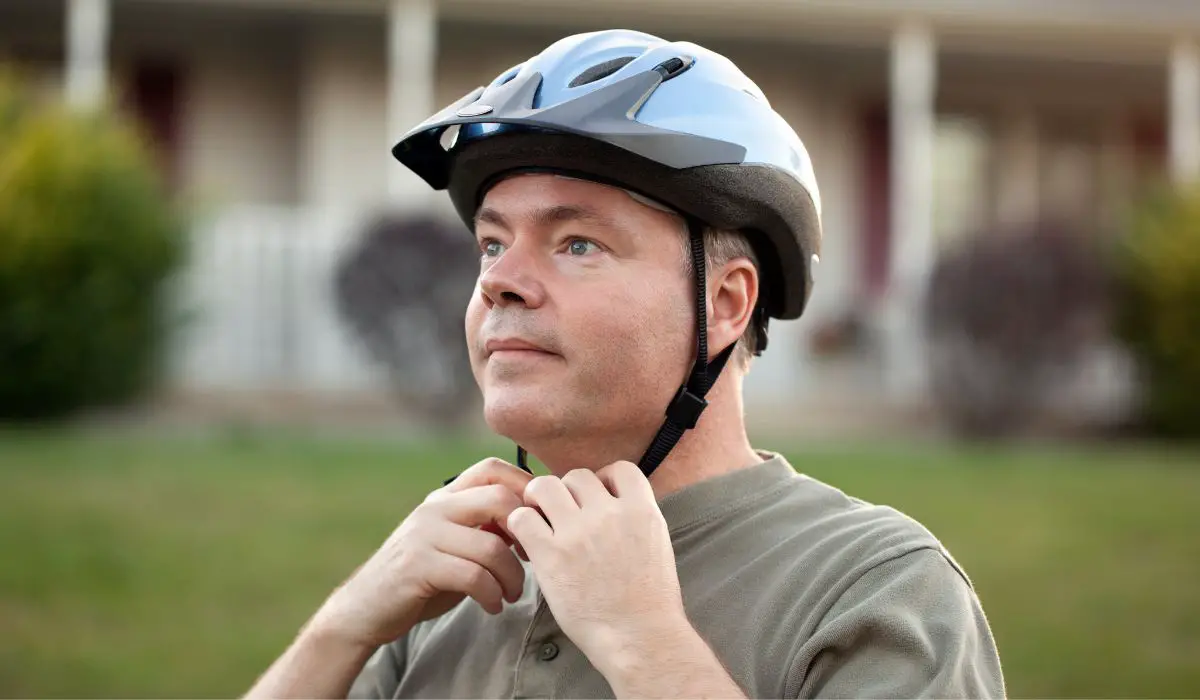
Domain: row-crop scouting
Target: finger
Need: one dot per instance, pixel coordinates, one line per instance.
(491, 471)
(550, 495)
(625, 480)
(585, 486)
(479, 506)
(451, 573)
(531, 530)
(490, 552)
(500, 531)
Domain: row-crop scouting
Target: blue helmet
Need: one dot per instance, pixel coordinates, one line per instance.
(671, 121)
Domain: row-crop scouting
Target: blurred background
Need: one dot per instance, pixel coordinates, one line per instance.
(228, 368)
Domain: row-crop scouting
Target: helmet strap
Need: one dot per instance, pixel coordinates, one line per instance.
(684, 410)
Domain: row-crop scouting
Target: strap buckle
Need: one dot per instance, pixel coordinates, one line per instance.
(685, 408)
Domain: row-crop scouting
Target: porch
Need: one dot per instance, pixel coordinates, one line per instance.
(277, 117)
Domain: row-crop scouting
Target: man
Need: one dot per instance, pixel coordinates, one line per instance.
(640, 212)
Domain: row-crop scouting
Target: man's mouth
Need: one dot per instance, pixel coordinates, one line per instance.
(513, 346)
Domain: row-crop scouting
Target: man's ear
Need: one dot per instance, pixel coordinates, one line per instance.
(733, 293)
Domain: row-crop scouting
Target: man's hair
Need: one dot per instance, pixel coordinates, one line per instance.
(720, 247)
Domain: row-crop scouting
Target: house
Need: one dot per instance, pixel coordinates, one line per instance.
(925, 119)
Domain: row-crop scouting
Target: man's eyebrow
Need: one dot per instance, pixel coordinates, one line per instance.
(549, 216)
(487, 215)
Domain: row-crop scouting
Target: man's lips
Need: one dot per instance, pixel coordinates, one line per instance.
(513, 345)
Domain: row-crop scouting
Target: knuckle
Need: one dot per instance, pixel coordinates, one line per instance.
(576, 476)
(518, 516)
(541, 483)
(490, 464)
(480, 468)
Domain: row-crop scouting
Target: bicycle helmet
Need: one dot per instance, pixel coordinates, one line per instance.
(672, 121)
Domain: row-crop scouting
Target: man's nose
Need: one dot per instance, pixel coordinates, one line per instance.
(512, 279)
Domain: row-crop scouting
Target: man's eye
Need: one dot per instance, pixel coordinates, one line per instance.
(581, 246)
(492, 248)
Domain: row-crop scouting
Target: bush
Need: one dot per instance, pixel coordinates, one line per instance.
(87, 241)
(1009, 312)
(403, 291)
(1158, 317)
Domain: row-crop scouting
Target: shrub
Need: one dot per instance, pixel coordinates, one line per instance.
(403, 290)
(87, 241)
(1009, 311)
(1158, 311)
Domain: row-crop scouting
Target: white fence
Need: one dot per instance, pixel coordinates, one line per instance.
(258, 295)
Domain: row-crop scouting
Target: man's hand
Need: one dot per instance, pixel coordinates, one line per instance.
(602, 557)
(451, 546)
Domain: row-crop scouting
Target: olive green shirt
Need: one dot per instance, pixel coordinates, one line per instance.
(800, 590)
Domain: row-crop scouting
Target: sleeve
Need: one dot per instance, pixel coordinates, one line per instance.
(910, 627)
(380, 678)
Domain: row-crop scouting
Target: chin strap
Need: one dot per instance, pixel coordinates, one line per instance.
(684, 410)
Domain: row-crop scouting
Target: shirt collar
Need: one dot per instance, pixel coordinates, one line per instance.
(726, 493)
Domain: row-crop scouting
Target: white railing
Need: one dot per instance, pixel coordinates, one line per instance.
(258, 294)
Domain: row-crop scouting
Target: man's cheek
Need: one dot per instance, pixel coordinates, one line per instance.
(472, 322)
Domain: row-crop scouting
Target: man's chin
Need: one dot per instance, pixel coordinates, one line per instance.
(521, 415)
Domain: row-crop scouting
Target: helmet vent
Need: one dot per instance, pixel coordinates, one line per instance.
(600, 70)
(505, 78)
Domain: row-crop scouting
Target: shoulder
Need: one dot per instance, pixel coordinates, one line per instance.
(910, 626)
(845, 534)
(895, 613)
(866, 550)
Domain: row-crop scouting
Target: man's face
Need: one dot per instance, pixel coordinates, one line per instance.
(580, 326)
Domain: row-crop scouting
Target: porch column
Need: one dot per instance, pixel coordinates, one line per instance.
(1019, 183)
(86, 52)
(913, 85)
(1184, 111)
(412, 73)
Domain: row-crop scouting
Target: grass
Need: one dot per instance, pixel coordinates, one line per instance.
(171, 567)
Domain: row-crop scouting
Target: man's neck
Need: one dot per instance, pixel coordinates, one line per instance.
(717, 445)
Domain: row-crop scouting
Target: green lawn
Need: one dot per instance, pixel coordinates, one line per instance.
(140, 567)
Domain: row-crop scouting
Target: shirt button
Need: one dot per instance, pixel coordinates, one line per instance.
(548, 651)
